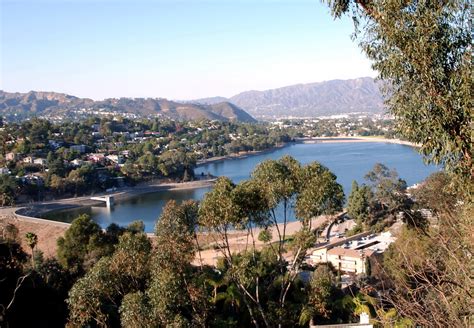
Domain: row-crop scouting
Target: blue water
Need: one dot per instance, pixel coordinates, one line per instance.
(349, 161)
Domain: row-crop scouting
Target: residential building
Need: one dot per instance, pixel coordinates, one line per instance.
(350, 254)
(96, 157)
(117, 159)
(77, 162)
(78, 148)
(40, 161)
(10, 156)
(364, 322)
(28, 160)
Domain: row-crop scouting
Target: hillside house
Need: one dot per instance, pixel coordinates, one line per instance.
(28, 160)
(350, 254)
(11, 157)
(40, 161)
(78, 148)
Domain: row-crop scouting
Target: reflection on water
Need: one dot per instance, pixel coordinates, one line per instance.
(349, 161)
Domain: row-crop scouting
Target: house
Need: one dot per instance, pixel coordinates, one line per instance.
(40, 161)
(28, 160)
(364, 322)
(10, 157)
(350, 254)
(77, 162)
(117, 159)
(96, 157)
(55, 144)
(32, 179)
(78, 148)
(349, 260)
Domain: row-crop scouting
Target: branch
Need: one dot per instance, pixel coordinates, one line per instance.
(18, 285)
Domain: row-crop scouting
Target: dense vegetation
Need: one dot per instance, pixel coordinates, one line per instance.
(40, 160)
(423, 52)
(424, 279)
(121, 277)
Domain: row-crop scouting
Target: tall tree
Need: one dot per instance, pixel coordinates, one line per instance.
(32, 241)
(95, 299)
(265, 201)
(81, 245)
(422, 51)
(359, 202)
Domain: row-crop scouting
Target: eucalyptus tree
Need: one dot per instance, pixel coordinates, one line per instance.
(275, 188)
(423, 53)
(175, 295)
(95, 299)
(81, 245)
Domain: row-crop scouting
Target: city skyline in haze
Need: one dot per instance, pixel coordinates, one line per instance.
(172, 49)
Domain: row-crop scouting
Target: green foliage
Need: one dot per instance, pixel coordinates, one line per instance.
(31, 239)
(135, 311)
(96, 297)
(321, 290)
(387, 187)
(175, 236)
(319, 192)
(8, 189)
(312, 189)
(422, 51)
(265, 235)
(359, 205)
(218, 208)
(82, 244)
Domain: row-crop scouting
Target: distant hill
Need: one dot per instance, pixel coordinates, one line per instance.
(52, 104)
(313, 99)
(300, 100)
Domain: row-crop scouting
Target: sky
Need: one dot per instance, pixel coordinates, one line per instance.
(176, 49)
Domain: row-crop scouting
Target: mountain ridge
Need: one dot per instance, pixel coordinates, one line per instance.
(324, 98)
(311, 99)
(50, 104)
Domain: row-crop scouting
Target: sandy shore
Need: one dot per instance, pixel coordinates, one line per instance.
(350, 139)
(242, 240)
(242, 154)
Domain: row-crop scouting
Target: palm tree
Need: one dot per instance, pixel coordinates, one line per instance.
(32, 241)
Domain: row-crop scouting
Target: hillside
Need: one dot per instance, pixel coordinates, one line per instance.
(309, 100)
(52, 104)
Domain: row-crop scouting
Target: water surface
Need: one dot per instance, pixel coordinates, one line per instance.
(349, 161)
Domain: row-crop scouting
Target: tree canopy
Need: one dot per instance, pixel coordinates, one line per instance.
(422, 52)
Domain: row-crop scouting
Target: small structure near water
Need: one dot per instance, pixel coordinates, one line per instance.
(109, 200)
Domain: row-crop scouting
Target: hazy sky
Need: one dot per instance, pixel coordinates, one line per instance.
(173, 49)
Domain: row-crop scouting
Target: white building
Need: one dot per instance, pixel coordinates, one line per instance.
(40, 161)
(364, 322)
(350, 254)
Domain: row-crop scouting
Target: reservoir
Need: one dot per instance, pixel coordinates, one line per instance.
(347, 160)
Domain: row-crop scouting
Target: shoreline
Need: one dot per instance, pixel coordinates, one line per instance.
(240, 155)
(351, 139)
(33, 211)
